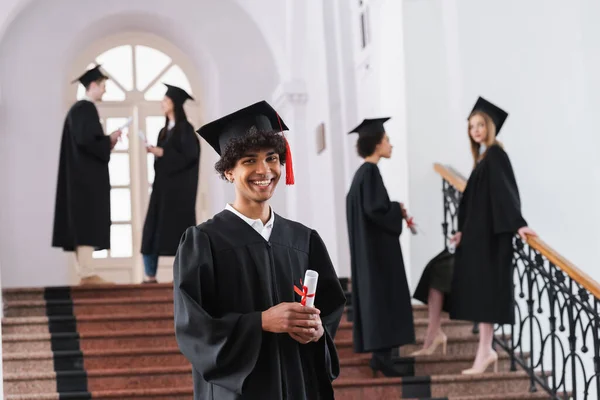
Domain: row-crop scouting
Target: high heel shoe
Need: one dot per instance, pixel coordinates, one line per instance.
(440, 338)
(492, 358)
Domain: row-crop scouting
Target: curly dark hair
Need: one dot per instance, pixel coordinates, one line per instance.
(365, 145)
(252, 141)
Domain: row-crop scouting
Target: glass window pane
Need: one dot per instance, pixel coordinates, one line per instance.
(113, 93)
(118, 168)
(173, 76)
(120, 241)
(156, 92)
(149, 63)
(112, 124)
(120, 205)
(153, 126)
(150, 161)
(100, 254)
(118, 63)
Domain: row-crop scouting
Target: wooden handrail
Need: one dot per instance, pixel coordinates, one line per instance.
(534, 242)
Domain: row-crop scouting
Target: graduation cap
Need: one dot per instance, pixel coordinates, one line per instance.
(91, 75)
(370, 127)
(178, 95)
(497, 114)
(260, 115)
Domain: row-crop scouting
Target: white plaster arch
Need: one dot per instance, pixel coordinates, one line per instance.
(234, 68)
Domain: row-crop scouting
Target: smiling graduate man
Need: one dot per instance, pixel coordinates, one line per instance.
(237, 317)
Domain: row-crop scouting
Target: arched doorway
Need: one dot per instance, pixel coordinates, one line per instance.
(137, 65)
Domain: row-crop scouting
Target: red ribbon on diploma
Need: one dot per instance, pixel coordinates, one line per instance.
(410, 222)
(303, 293)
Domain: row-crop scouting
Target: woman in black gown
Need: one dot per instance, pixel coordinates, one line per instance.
(172, 207)
(382, 310)
(489, 216)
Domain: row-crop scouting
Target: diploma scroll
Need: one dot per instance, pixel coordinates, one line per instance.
(309, 287)
(410, 222)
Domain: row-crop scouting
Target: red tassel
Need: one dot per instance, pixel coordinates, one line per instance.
(289, 167)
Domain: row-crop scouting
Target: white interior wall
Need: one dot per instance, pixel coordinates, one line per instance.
(539, 61)
(381, 93)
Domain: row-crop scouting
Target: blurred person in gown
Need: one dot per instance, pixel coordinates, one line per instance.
(489, 216)
(172, 207)
(381, 301)
(82, 207)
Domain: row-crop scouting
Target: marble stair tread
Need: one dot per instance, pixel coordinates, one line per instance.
(433, 386)
(84, 335)
(89, 353)
(112, 300)
(130, 394)
(91, 291)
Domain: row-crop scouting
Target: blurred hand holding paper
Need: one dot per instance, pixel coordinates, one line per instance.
(126, 124)
(143, 138)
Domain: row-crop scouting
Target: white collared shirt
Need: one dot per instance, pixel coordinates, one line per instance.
(263, 229)
(171, 124)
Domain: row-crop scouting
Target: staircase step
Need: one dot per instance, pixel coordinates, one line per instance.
(506, 396)
(93, 291)
(88, 323)
(124, 305)
(450, 327)
(358, 367)
(434, 386)
(92, 360)
(419, 311)
(116, 379)
(457, 344)
(108, 340)
(184, 393)
(187, 394)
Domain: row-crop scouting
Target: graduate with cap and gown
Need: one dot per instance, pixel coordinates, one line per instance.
(172, 207)
(240, 317)
(82, 206)
(381, 301)
(489, 216)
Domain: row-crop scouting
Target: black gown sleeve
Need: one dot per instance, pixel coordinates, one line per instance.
(504, 194)
(377, 205)
(224, 349)
(87, 131)
(181, 152)
(330, 300)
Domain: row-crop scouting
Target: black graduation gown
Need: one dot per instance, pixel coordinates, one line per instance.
(225, 275)
(381, 299)
(172, 207)
(489, 215)
(82, 206)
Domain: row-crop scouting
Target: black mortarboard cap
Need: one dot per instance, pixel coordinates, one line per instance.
(370, 127)
(90, 76)
(497, 114)
(178, 95)
(260, 115)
